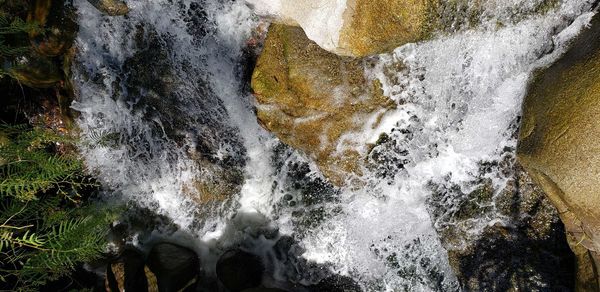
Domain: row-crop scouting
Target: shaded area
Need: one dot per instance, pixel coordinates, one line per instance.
(526, 247)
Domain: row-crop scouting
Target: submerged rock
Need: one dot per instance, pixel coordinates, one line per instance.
(337, 283)
(314, 100)
(111, 7)
(156, 90)
(558, 145)
(265, 290)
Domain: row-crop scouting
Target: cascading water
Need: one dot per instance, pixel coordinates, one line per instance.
(167, 121)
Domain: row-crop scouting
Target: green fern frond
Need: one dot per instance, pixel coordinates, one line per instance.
(76, 240)
(19, 29)
(44, 230)
(56, 252)
(18, 25)
(28, 168)
(9, 239)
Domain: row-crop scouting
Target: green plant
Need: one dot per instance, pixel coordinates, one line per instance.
(45, 229)
(13, 37)
(28, 165)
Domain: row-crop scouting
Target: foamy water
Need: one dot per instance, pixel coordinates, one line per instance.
(458, 98)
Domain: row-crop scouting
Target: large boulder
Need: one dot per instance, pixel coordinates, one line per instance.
(35, 71)
(175, 267)
(559, 145)
(365, 27)
(313, 100)
(353, 28)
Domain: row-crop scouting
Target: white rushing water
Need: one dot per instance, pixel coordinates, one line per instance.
(458, 97)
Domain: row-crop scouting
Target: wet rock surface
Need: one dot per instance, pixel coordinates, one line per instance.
(110, 7)
(58, 20)
(311, 99)
(366, 27)
(311, 198)
(525, 249)
(337, 284)
(257, 259)
(156, 90)
(35, 78)
(38, 62)
(558, 145)
(37, 71)
(379, 26)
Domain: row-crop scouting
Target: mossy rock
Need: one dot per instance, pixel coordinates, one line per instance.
(559, 143)
(36, 71)
(310, 98)
(110, 7)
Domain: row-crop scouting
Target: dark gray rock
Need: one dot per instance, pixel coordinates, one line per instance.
(194, 116)
(527, 251)
(239, 270)
(174, 266)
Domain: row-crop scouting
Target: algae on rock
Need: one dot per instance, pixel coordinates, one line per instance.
(311, 99)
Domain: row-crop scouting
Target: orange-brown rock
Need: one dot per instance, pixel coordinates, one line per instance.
(111, 7)
(310, 98)
(559, 145)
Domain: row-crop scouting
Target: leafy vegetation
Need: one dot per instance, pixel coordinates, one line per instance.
(13, 37)
(45, 229)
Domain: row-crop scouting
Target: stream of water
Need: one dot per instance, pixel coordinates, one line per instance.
(164, 85)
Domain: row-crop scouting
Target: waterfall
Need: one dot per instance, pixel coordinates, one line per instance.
(164, 109)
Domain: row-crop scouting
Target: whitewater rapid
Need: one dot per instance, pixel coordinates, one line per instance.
(458, 95)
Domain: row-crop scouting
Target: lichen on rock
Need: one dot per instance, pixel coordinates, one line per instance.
(312, 99)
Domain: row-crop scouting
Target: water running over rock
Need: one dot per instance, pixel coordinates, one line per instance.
(168, 124)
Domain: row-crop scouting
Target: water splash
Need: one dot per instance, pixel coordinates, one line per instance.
(161, 87)
(459, 99)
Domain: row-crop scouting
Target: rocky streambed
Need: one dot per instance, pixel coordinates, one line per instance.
(263, 146)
